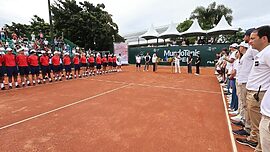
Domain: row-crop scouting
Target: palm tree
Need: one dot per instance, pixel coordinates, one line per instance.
(210, 16)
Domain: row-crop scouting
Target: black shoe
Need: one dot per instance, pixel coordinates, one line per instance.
(238, 123)
(29, 84)
(241, 132)
(17, 86)
(246, 142)
(3, 88)
(228, 93)
(23, 85)
(10, 87)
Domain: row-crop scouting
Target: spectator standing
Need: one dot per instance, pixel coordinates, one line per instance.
(177, 59)
(154, 61)
(257, 84)
(147, 60)
(138, 62)
(197, 63)
(12, 71)
(189, 63)
(21, 60)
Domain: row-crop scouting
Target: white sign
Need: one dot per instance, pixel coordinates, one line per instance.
(121, 48)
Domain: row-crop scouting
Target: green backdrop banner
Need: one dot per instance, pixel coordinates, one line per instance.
(207, 53)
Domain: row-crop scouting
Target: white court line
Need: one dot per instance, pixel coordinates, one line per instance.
(164, 87)
(228, 121)
(174, 88)
(63, 107)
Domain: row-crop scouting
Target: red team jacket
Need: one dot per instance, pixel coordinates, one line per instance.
(33, 60)
(76, 60)
(21, 60)
(44, 60)
(66, 60)
(9, 60)
(56, 60)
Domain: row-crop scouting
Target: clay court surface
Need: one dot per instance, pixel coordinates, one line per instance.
(127, 111)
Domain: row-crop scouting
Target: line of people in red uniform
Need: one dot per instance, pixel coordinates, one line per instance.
(12, 65)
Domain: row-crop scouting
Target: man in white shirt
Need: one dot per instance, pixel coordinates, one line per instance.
(264, 36)
(138, 62)
(229, 66)
(265, 122)
(244, 68)
(257, 84)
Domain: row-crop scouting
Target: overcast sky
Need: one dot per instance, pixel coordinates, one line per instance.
(137, 15)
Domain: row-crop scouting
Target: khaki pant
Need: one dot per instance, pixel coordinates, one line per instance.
(242, 99)
(265, 133)
(254, 109)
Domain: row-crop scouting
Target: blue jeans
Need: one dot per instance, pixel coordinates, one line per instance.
(234, 101)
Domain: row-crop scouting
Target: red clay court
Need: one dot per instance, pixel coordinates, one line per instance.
(127, 111)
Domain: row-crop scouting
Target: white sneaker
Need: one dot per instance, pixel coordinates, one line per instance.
(233, 112)
(223, 84)
(236, 118)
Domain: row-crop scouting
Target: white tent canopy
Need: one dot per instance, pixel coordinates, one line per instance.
(194, 30)
(170, 32)
(150, 34)
(222, 28)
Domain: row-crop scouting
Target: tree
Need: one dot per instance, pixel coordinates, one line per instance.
(85, 24)
(184, 25)
(37, 24)
(210, 16)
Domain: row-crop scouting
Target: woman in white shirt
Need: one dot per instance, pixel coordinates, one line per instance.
(177, 63)
(138, 62)
(154, 61)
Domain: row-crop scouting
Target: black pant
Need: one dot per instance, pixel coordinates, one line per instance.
(197, 68)
(154, 67)
(189, 68)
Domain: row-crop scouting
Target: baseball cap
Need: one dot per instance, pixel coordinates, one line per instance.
(9, 49)
(20, 49)
(33, 51)
(2, 49)
(234, 45)
(244, 44)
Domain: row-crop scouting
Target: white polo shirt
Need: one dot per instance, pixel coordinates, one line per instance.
(230, 65)
(265, 105)
(236, 67)
(138, 59)
(260, 72)
(245, 65)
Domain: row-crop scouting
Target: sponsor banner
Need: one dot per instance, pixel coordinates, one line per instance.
(121, 48)
(207, 53)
